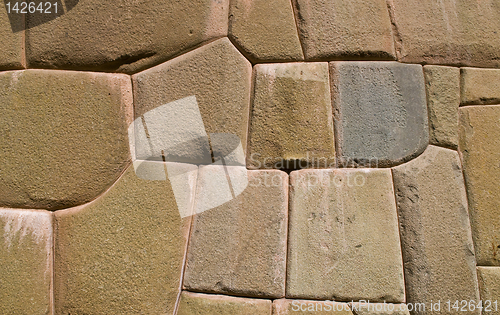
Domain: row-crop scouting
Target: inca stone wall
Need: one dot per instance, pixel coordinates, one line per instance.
(250, 157)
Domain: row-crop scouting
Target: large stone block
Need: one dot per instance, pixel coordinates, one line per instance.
(480, 86)
(121, 35)
(489, 289)
(291, 123)
(25, 262)
(309, 307)
(12, 39)
(380, 112)
(343, 237)
(447, 32)
(208, 304)
(480, 150)
(123, 253)
(265, 30)
(443, 98)
(239, 247)
(435, 232)
(63, 136)
(329, 31)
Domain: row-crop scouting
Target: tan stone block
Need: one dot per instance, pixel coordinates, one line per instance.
(447, 32)
(480, 151)
(208, 304)
(12, 39)
(366, 308)
(25, 262)
(63, 136)
(124, 36)
(443, 98)
(343, 236)
(265, 30)
(309, 307)
(480, 86)
(329, 31)
(435, 232)
(239, 247)
(292, 121)
(123, 253)
(489, 289)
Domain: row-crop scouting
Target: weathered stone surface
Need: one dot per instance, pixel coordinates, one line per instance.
(208, 304)
(365, 308)
(308, 307)
(218, 77)
(291, 117)
(328, 29)
(63, 136)
(122, 35)
(239, 247)
(265, 30)
(436, 240)
(123, 253)
(480, 86)
(12, 39)
(447, 32)
(25, 262)
(489, 288)
(343, 237)
(380, 112)
(443, 98)
(480, 150)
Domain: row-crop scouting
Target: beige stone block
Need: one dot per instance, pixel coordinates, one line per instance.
(12, 39)
(309, 307)
(480, 86)
(208, 304)
(489, 289)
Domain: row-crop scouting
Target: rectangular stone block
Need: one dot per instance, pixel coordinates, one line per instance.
(480, 86)
(489, 289)
(291, 120)
(12, 39)
(480, 151)
(238, 246)
(209, 304)
(309, 307)
(435, 232)
(443, 98)
(343, 237)
(26, 262)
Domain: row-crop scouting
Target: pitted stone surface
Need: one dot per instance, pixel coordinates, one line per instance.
(365, 308)
(380, 112)
(344, 241)
(489, 288)
(480, 150)
(309, 307)
(12, 39)
(123, 36)
(63, 136)
(265, 30)
(25, 262)
(480, 86)
(329, 31)
(443, 98)
(291, 120)
(122, 253)
(239, 247)
(209, 304)
(435, 232)
(447, 32)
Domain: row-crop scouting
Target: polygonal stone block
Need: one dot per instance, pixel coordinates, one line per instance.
(480, 86)
(208, 304)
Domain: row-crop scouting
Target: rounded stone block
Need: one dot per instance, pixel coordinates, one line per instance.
(208, 304)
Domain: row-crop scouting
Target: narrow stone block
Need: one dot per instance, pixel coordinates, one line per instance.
(368, 308)
(343, 237)
(489, 289)
(380, 112)
(208, 304)
(291, 123)
(480, 151)
(480, 86)
(435, 233)
(239, 247)
(309, 307)
(12, 39)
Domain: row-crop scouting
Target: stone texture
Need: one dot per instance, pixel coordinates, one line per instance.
(12, 39)
(443, 98)
(205, 304)
(489, 288)
(436, 240)
(365, 308)
(63, 136)
(25, 262)
(122, 35)
(480, 151)
(343, 237)
(123, 253)
(447, 32)
(239, 247)
(219, 78)
(329, 31)
(308, 307)
(291, 120)
(480, 86)
(380, 112)
(265, 30)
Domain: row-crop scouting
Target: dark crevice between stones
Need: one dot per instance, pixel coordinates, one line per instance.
(289, 166)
